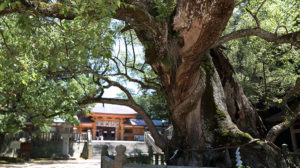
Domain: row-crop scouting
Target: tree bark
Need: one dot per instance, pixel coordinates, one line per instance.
(241, 111)
(204, 130)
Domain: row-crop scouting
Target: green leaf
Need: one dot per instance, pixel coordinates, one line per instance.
(3, 6)
(24, 82)
(118, 3)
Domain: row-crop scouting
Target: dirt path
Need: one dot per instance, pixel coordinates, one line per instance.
(56, 164)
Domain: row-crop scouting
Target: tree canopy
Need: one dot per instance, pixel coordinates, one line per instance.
(266, 70)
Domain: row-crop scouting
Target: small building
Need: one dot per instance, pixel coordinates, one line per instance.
(113, 122)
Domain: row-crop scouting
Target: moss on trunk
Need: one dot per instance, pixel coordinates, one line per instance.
(218, 118)
(206, 145)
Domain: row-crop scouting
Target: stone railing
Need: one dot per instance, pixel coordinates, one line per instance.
(150, 141)
(120, 160)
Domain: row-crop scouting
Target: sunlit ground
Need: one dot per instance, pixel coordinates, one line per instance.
(46, 163)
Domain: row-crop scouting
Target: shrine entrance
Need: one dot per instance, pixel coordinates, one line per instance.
(107, 122)
(108, 133)
(106, 129)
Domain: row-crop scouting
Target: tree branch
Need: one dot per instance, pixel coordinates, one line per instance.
(10, 51)
(254, 15)
(277, 129)
(45, 9)
(129, 9)
(260, 6)
(151, 84)
(132, 47)
(291, 38)
(290, 116)
(126, 54)
(292, 92)
(5, 44)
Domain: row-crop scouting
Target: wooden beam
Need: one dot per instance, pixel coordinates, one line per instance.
(294, 140)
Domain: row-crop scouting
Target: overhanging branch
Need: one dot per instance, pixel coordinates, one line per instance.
(45, 9)
(279, 128)
(290, 38)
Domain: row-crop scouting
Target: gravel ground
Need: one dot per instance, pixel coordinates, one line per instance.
(56, 164)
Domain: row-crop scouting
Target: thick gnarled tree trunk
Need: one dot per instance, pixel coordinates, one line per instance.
(207, 107)
(208, 125)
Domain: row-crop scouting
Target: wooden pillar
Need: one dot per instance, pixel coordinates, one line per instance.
(94, 129)
(119, 129)
(117, 133)
(294, 141)
(78, 129)
(122, 129)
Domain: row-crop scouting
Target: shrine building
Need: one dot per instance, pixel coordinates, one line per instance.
(112, 122)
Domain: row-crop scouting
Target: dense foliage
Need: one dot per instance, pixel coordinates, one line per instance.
(265, 70)
(154, 104)
(33, 53)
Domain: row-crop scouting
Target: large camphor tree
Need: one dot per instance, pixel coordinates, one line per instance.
(182, 42)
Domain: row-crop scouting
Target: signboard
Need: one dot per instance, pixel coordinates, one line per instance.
(107, 123)
(86, 125)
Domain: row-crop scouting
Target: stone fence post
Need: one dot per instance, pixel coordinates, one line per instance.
(104, 150)
(66, 143)
(285, 149)
(120, 158)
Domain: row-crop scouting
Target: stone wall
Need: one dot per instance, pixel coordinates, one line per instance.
(10, 148)
(44, 148)
(50, 149)
(55, 150)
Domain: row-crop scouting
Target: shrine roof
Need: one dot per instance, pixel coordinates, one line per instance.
(136, 122)
(85, 120)
(111, 109)
(157, 123)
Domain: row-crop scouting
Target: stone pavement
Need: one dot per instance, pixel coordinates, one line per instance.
(93, 163)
